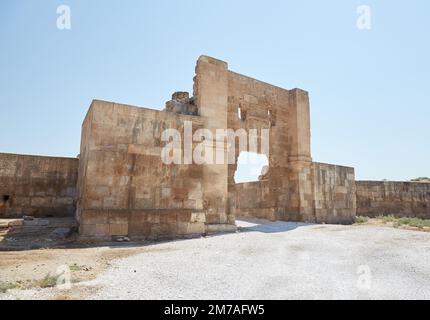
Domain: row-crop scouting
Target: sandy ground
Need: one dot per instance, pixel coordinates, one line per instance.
(26, 267)
(36, 264)
(265, 260)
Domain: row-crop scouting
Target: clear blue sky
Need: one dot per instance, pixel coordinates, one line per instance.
(369, 90)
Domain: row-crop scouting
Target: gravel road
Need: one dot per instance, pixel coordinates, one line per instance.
(277, 260)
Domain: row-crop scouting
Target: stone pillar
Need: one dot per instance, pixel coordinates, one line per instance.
(301, 198)
(210, 94)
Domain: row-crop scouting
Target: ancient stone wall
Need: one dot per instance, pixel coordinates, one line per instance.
(210, 96)
(124, 187)
(333, 192)
(254, 104)
(289, 191)
(334, 189)
(401, 199)
(253, 199)
(37, 186)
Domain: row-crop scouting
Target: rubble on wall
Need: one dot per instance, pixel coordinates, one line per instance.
(181, 103)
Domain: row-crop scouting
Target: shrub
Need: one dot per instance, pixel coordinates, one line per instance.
(360, 219)
(4, 286)
(386, 219)
(413, 222)
(47, 282)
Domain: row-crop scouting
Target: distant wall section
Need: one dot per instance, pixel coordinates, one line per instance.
(410, 199)
(37, 186)
(332, 188)
(334, 193)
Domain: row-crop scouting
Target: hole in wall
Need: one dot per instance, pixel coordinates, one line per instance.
(241, 114)
(250, 166)
(272, 117)
(6, 198)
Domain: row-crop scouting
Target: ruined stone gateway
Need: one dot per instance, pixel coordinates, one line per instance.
(124, 188)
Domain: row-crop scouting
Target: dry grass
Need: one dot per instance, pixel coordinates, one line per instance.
(361, 220)
(403, 222)
(48, 281)
(4, 286)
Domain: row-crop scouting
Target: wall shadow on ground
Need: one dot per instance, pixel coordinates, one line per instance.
(42, 238)
(266, 226)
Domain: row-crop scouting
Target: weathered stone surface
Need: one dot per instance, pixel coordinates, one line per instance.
(286, 114)
(182, 104)
(334, 193)
(330, 195)
(124, 183)
(379, 198)
(215, 228)
(37, 186)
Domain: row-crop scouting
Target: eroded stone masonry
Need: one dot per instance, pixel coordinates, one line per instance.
(124, 188)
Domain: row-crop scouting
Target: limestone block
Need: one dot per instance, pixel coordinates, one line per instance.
(118, 217)
(41, 201)
(94, 230)
(63, 201)
(169, 217)
(214, 228)
(137, 217)
(184, 216)
(118, 229)
(163, 229)
(199, 204)
(21, 201)
(185, 228)
(198, 217)
(144, 203)
(136, 228)
(103, 112)
(92, 203)
(153, 217)
(92, 217)
(190, 204)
